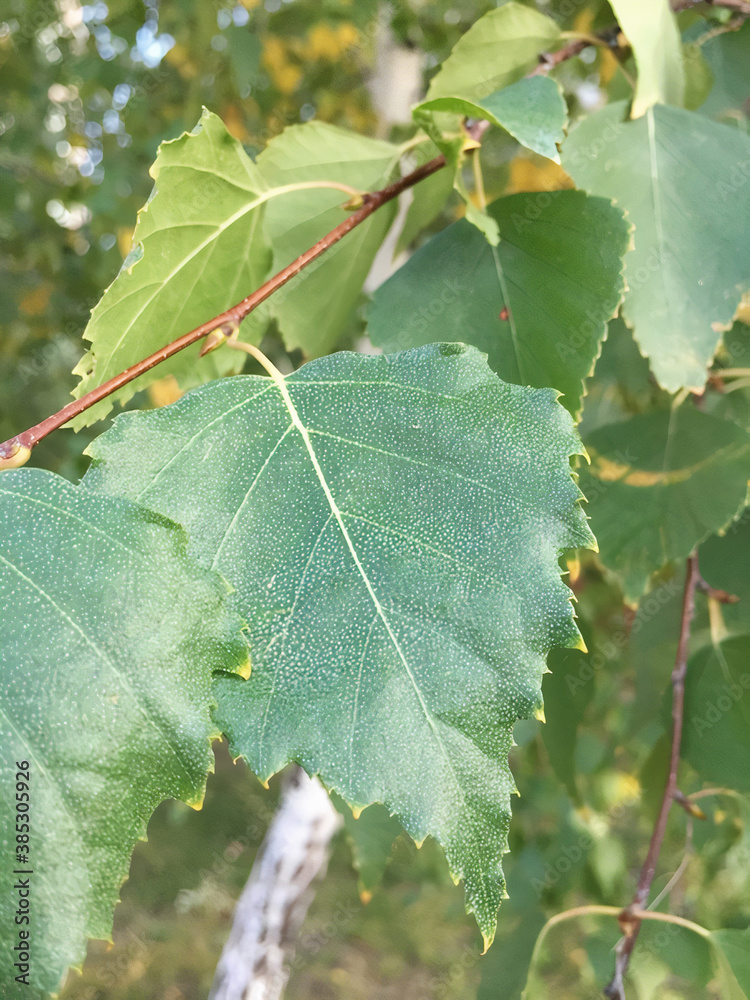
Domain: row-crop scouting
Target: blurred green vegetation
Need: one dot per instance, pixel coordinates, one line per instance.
(88, 94)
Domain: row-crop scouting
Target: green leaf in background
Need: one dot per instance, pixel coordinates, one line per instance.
(699, 78)
(717, 714)
(198, 249)
(735, 947)
(314, 307)
(428, 197)
(727, 56)
(537, 304)
(683, 181)
(651, 29)
(392, 527)
(724, 561)
(533, 111)
(371, 836)
(109, 636)
(659, 484)
(497, 50)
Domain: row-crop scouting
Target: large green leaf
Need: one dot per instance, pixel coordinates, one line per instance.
(537, 304)
(497, 50)
(313, 308)
(533, 111)
(109, 635)
(659, 484)
(198, 249)
(682, 180)
(392, 527)
(652, 31)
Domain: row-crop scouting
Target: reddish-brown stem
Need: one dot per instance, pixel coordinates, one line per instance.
(230, 319)
(629, 922)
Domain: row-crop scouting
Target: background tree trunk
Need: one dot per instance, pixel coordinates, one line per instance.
(256, 959)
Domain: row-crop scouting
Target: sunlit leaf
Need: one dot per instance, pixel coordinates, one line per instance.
(683, 181)
(198, 249)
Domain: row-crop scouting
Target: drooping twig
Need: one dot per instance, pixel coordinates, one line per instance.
(17, 450)
(630, 917)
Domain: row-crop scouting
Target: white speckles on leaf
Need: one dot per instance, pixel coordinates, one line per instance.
(401, 587)
(109, 635)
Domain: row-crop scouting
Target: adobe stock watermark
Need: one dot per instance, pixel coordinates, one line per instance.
(574, 854)
(419, 322)
(729, 696)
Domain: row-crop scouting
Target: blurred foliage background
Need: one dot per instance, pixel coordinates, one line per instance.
(89, 91)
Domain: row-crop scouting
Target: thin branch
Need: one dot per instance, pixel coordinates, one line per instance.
(607, 911)
(742, 6)
(17, 450)
(630, 918)
(608, 37)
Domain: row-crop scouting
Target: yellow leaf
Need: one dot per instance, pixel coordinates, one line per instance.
(531, 174)
(125, 240)
(164, 391)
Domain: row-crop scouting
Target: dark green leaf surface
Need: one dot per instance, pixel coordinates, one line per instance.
(532, 110)
(109, 635)
(198, 249)
(537, 304)
(392, 527)
(717, 714)
(683, 181)
(659, 484)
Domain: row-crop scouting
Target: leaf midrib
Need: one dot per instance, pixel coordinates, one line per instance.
(337, 514)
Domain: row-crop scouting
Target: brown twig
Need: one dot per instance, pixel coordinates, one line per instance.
(17, 449)
(630, 919)
(608, 37)
(741, 6)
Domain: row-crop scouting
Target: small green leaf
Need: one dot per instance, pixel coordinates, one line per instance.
(109, 636)
(533, 111)
(683, 181)
(198, 249)
(371, 836)
(659, 484)
(537, 304)
(392, 527)
(497, 50)
(652, 31)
